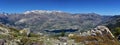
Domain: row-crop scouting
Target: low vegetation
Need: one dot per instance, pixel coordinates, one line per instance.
(96, 40)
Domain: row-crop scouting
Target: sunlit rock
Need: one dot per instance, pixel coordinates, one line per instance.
(70, 35)
(25, 31)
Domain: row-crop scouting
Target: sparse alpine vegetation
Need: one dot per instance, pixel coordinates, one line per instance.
(98, 36)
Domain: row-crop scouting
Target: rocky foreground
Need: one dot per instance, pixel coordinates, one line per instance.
(100, 35)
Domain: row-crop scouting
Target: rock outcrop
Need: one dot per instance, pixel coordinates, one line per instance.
(101, 30)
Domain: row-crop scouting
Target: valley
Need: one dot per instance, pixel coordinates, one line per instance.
(39, 27)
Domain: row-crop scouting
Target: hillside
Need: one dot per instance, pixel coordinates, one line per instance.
(12, 36)
(100, 35)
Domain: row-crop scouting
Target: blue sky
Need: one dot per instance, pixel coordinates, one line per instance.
(104, 7)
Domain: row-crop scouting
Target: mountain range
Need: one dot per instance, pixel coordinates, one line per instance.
(40, 20)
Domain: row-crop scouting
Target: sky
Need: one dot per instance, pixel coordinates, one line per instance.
(103, 7)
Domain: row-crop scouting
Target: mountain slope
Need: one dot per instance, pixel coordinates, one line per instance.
(114, 25)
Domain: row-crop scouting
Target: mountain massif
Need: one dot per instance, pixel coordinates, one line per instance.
(40, 20)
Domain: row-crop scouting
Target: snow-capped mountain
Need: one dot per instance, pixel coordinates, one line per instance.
(41, 11)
